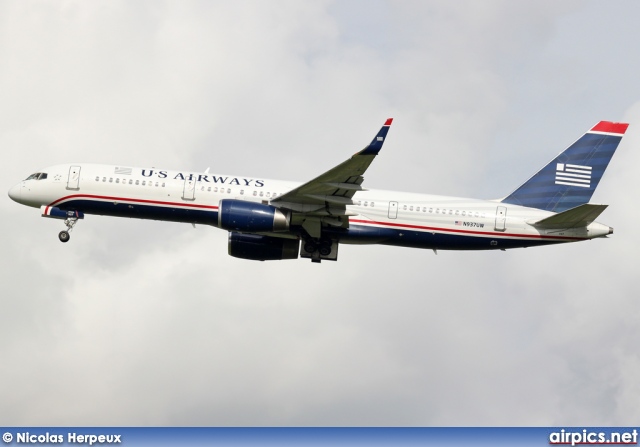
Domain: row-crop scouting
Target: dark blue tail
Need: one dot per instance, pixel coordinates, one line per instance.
(570, 179)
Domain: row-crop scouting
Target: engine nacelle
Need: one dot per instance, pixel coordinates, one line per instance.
(57, 213)
(262, 248)
(251, 217)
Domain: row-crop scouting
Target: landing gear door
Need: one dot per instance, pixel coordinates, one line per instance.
(73, 182)
(393, 210)
(189, 191)
(501, 217)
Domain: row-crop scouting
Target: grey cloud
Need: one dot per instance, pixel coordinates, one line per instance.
(151, 323)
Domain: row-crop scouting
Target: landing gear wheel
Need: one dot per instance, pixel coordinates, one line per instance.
(325, 249)
(64, 236)
(310, 247)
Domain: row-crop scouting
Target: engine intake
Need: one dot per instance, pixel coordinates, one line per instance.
(262, 248)
(251, 217)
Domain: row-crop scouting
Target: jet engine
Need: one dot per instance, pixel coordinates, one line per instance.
(262, 248)
(251, 217)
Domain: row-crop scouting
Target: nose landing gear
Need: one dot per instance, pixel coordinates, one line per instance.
(64, 235)
(70, 219)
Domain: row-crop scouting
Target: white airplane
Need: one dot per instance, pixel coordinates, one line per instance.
(267, 219)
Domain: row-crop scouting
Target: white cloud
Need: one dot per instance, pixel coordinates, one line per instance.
(136, 322)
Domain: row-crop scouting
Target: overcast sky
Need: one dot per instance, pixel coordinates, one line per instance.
(151, 323)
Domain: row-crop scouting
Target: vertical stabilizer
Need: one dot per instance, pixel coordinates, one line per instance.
(570, 179)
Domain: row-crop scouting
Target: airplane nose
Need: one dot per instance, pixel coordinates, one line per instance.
(16, 192)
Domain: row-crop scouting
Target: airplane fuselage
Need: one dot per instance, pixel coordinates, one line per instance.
(375, 216)
(274, 220)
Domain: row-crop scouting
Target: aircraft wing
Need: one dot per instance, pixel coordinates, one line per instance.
(334, 189)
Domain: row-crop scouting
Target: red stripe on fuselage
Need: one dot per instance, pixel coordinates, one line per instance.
(454, 230)
(125, 199)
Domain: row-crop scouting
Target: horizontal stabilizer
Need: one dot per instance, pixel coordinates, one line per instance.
(580, 216)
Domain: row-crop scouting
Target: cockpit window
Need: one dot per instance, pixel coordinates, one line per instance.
(37, 176)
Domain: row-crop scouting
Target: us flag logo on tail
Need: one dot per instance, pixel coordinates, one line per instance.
(573, 175)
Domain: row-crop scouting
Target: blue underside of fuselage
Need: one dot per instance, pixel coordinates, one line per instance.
(360, 234)
(356, 234)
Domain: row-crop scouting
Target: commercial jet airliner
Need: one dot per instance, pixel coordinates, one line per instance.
(273, 220)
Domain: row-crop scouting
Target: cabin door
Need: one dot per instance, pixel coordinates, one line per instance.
(189, 191)
(73, 181)
(393, 210)
(501, 218)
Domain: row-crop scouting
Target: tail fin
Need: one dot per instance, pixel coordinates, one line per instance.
(570, 179)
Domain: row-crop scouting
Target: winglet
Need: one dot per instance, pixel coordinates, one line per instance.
(376, 144)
